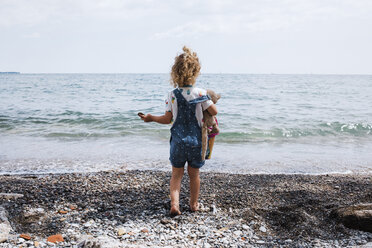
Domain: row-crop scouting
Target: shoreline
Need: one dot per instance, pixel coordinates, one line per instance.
(335, 173)
(130, 209)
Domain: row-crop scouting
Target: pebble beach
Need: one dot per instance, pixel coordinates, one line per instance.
(131, 209)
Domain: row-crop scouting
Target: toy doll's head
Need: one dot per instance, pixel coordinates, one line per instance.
(213, 95)
(186, 68)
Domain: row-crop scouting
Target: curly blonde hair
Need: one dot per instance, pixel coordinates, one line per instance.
(186, 68)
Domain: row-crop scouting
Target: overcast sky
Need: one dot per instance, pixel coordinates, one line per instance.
(231, 36)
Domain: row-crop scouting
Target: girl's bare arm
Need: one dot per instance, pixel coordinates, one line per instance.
(162, 119)
(212, 109)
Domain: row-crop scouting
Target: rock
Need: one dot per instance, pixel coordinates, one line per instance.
(263, 229)
(62, 212)
(10, 196)
(89, 244)
(55, 238)
(165, 221)
(106, 242)
(214, 209)
(245, 227)
(89, 223)
(356, 217)
(238, 233)
(206, 245)
(223, 229)
(33, 212)
(5, 227)
(83, 238)
(144, 230)
(260, 242)
(25, 236)
(121, 231)
(36, 244)
(125, 236)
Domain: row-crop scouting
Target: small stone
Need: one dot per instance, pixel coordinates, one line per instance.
(237, 233)
(145, 230)
(62, 219)
(33, 212)
(243, 238)
(245, 227)
(223, 229)
(131, 233)
(55, 238)
(289, 241)
(206, 245)
(25, 236)
(165, 221)
(263, 229)
(121, 231)
(260, 242)
(36, 244)
(62, 212)
(73, 207)
(89, 223)
(214, 209)
(10, 196)
(337, 187)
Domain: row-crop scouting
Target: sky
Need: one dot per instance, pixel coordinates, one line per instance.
(144, 36)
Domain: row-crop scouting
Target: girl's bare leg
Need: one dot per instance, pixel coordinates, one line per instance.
(194, 187)
(175, 187)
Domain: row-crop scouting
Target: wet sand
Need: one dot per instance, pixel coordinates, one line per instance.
(121, 209)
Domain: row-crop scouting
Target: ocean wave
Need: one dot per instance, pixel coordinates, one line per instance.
(71, 124)
(327, 129)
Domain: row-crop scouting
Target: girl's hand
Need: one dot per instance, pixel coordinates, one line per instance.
(146, 118)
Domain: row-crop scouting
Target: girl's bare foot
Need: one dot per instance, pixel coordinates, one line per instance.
(174, 211)
(194, 207)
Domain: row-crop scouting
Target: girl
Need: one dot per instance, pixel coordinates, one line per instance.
(185, 105)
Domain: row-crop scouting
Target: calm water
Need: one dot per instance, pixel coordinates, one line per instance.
(269, 123)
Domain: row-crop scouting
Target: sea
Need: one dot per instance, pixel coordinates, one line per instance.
(270, 123)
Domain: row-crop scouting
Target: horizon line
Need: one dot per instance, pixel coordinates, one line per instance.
(227, 73)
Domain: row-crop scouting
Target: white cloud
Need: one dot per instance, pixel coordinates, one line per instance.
(205, 15)
(33, 35)
(228, 17)
(31, 13)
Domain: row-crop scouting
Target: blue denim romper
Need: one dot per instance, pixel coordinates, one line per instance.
(185, 142)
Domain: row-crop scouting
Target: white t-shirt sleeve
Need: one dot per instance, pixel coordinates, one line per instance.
(206, 104)
(168, 103)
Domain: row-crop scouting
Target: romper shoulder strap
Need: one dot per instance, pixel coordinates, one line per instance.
(200, 99)
(178, 95)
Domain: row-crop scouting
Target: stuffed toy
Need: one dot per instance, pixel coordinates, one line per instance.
(210, 126)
